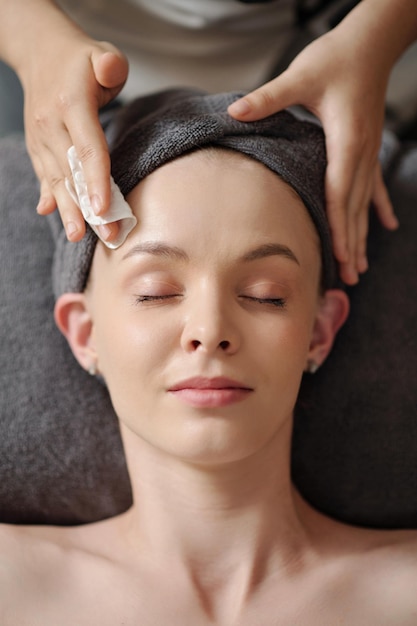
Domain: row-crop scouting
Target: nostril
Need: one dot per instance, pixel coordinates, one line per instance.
(223, 345)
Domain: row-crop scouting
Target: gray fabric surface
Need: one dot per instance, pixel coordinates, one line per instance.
(355, 436)
(355, 443)
(155, 129)
(61, 457)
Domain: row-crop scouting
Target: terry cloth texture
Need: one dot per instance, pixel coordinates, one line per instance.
(156, 129)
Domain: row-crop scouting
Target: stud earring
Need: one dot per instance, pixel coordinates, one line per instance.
(312, 366)
(92, 370)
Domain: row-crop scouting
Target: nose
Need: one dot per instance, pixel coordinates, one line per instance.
(210, 326)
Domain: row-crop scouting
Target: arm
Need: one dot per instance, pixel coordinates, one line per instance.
(342, 77)
(66, 78)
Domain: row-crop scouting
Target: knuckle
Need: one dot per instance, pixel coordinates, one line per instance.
(55, 182)
(40, 119)
(88, 152)
(63, 102)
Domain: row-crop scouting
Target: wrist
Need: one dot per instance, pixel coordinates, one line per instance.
(30, 27)
(383, 28)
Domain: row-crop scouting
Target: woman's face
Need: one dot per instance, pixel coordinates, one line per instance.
(203, 319)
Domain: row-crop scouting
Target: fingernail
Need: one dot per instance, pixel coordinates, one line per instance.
(240, 107)
(105, 231)
(355, 277)
(71, 229)
(96, 204)
(363, 265)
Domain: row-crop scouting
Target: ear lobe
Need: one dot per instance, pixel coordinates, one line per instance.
(332, 313)
(74, 321)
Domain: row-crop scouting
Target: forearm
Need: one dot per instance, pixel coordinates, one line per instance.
(384, 27)
(27, 27)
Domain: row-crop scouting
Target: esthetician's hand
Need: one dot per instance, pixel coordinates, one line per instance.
(64, 88)
(344, 85)
(66, 77)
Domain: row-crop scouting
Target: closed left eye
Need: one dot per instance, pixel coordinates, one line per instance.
(276, 302)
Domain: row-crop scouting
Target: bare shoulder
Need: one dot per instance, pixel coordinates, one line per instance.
(48, 567)
(394, 555)
(380, 576)
(388, 574)
(368, 576)
(25, 552)
(13, 552)
(31, 552)
(394, 548)
(17, 575)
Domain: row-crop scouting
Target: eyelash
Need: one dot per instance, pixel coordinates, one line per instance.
(141, 299)
(279, 303)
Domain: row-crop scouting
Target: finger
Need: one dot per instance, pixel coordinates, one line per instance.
(108, 232)
(338, 181)
(46, 204)
(73, 220)
(352, 244)
(111, 68)
(91, 147)
(382, 203)
(348, 273)
(348, 184)
(52, 169)
(362, 204)
(358, 217)
(362, 228)
(96, 166)
(71, 215)
(343, 154)
(277, 94)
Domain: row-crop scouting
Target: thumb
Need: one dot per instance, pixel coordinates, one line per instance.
(277, 94)
(110, 67)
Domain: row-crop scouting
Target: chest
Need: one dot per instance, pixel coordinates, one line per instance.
(112, 598)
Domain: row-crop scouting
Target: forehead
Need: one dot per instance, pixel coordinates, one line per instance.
(219, 203)
(220, 185)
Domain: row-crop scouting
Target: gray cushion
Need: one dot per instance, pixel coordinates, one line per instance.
(61, 458)
(355, 436)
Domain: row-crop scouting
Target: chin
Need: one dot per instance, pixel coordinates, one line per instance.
(215, 441)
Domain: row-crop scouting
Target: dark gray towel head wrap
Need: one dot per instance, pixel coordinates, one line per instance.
(158, 128)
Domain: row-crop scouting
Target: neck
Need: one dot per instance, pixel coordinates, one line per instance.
(227, 526)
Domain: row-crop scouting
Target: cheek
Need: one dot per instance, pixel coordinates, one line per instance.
(279, 349)
(130, 348)
(292, 332)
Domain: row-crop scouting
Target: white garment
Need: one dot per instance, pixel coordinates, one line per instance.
(217, 45)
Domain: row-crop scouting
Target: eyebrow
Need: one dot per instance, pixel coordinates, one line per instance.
(161, 249)
(270, 249)
(158, 248)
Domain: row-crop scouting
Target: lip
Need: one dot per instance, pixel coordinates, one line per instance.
(202, 392)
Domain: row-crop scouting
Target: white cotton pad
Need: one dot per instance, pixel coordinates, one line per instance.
(119, 210)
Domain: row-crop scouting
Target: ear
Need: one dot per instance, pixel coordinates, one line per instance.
(74, 321)
(331, 315)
